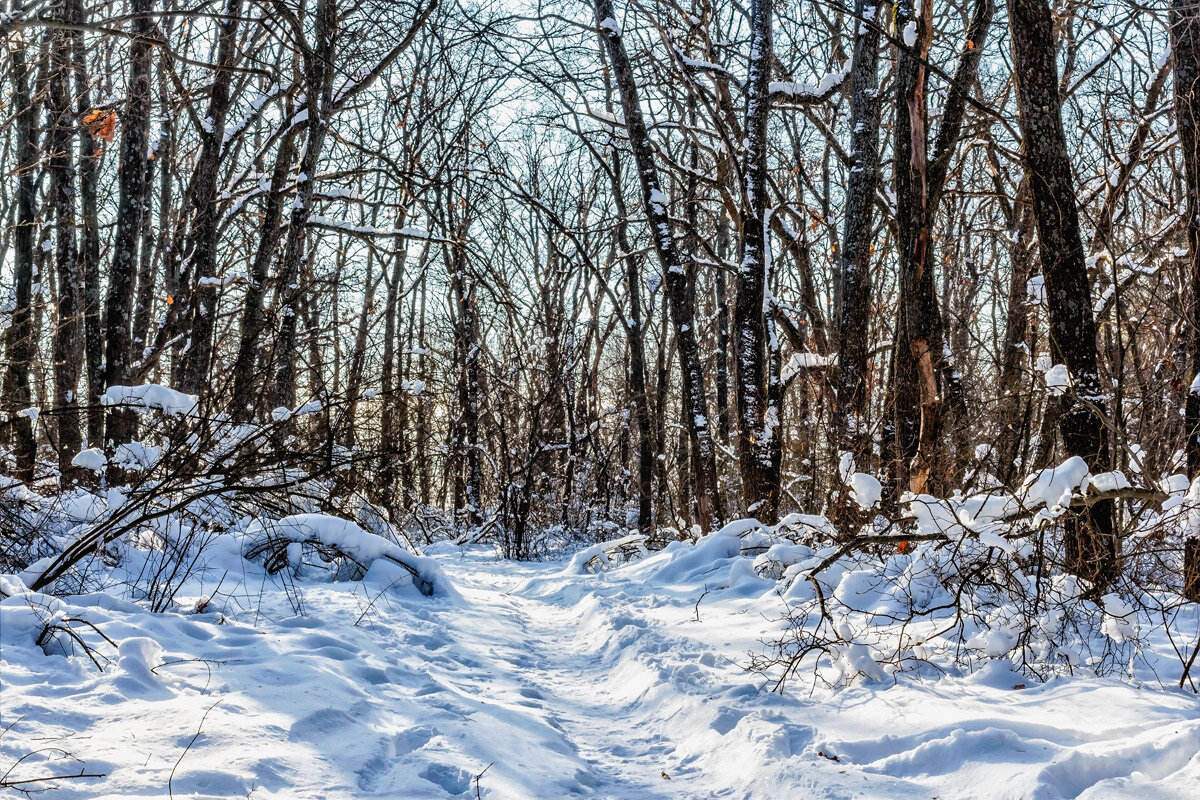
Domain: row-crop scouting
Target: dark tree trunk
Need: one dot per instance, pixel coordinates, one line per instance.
(318, 83)
(920, 331)
(60, 163)
(358, 356)
(89, 245)
(245, 402)
(721, 298)
(468, 473)
(704, 466)
(147, 284)
(1091, 541)
(118, 348)
(20, 347)
(1013, 409)
(391, 394)
(1185, 51)
(853, 295)
(202, 294)
(759, 433)
(635, 333)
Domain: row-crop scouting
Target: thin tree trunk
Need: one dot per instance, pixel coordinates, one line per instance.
(391, 395)
(89, 245)
(118, 355)
(318, 84)
(67, 341)
(707, 494)
(637, 357)
(20, 348)
(202, 293)
(853, 295)
(245, 402)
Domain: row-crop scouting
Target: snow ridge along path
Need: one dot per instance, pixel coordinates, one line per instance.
(548, 685)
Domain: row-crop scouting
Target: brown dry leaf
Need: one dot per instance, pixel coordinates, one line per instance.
(101, 124)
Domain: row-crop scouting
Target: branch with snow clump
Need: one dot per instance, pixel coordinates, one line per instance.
(270, 541)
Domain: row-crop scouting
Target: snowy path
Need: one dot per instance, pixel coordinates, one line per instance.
(590, 686)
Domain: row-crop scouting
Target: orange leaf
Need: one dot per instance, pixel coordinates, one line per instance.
(904, 546)
(970, 45)
(101, 124)
(170, 299)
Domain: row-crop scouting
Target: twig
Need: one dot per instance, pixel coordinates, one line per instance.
(478, 796)
(171, 778)
(698, 599)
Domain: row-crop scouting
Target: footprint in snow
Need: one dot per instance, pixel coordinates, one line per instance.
(453, 780)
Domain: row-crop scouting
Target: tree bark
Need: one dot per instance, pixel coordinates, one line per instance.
(1185, 52)
(1091, 541)
(635, 333)
(709, 513)
(60, 163)
(202, 294)
(318, 85)
(245, 402)
(89, 245)
(853, 295)
(20, 347)
(118, 334)
(759, 432)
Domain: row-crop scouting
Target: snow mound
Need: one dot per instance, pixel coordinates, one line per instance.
(279, 543)
(605, 555)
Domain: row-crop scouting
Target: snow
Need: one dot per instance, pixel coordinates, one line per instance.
(365, 548)
(537, 680)
(137, 455)
(1110, 481)
(151, 395)
(910, 34)
(92, 458)
(604, 555)
(1054, 487)
(866, 490)
(797, 91)
(1058, 379)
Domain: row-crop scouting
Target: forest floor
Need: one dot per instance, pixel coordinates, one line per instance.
(533, 682)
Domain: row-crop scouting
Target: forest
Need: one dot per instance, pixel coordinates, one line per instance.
(848, 351)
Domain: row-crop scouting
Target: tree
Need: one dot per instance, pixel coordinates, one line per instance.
(1185, 53)
(1091, 541)
(695, 404)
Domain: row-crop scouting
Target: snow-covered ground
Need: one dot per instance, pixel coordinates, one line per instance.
(538, 682)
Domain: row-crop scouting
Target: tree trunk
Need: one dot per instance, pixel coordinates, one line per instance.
(637, 357)
(118, 334)
(245, 402)
(89, 245)
(202, 294)
(318, 84)
(704, 467)
(1185, 51)
(391, 393)
(1091, 541)
(759, 433)
(853, 295)
(20, 347)
(60, 163)
(920, 330)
